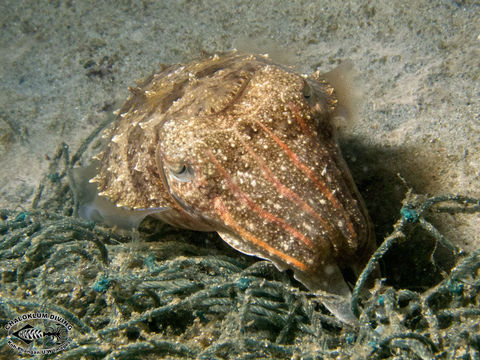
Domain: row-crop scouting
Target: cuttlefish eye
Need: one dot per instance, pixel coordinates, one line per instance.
(181, 172)
(307, 91)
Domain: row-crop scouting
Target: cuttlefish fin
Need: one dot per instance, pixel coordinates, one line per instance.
(101, 210)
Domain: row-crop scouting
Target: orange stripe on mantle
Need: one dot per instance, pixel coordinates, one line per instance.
(227, 218)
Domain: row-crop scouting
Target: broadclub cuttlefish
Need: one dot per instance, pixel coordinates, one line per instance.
(237, 144)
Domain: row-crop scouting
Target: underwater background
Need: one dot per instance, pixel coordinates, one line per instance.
(160, 292)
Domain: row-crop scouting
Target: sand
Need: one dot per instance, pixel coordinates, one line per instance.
(66, 65)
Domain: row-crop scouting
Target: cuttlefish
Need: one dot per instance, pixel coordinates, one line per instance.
(237, 144)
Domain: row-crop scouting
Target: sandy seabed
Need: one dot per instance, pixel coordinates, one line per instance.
(66, 65)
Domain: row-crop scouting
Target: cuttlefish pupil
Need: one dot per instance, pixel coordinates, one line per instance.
(237, 144)
(182, 172)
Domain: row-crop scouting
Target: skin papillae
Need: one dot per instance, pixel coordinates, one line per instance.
(237, 144)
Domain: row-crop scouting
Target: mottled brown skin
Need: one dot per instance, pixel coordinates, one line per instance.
(242, 146)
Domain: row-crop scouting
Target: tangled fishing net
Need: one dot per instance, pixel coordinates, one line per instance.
(160, 292)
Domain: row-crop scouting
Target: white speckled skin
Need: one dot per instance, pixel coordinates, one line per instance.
(239, 145)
